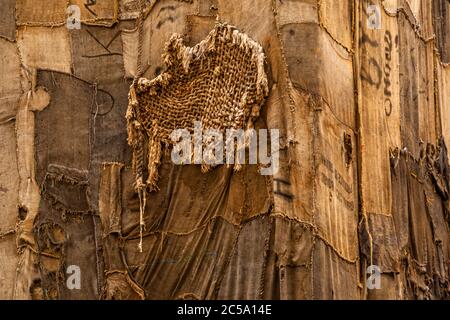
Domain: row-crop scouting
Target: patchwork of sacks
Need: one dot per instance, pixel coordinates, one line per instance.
(220, 82)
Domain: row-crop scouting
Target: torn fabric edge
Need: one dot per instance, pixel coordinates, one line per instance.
(176, 52)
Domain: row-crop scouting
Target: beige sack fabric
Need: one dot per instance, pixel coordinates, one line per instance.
(32, 12)
(56, 13)
(45, 48)
(10, 92)
(443, 88)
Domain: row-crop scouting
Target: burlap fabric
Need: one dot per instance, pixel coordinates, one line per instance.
(220, 82)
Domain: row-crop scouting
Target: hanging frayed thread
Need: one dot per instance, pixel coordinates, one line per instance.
(142, 203)
(136, 134)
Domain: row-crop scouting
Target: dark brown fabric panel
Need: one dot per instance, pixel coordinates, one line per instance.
(246, 269)
(420, 210)
(333, 277)
(7, 20)
(97, 58)
(408, 85)
(441, 22)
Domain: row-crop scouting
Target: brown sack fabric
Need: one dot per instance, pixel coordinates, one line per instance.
(56, 13)
(358, 90)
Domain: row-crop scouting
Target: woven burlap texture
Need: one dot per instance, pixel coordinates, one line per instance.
(220, 82)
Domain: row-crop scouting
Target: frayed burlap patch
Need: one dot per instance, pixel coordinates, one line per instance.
(220, 81)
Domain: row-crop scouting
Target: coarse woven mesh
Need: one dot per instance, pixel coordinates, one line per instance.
(220, 82)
